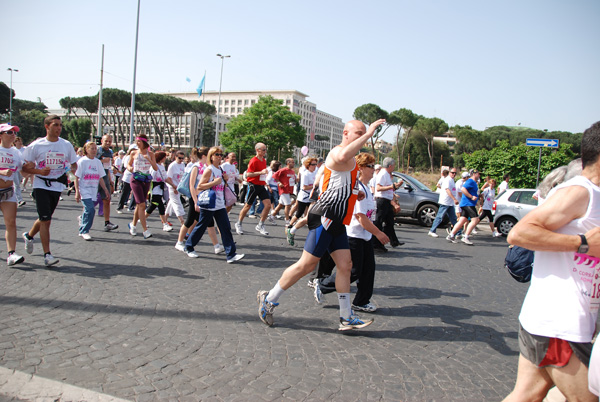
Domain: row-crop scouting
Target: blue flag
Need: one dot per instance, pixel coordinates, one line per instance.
(201, 86)
(188, 79)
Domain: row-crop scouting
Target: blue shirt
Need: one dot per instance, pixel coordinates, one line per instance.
(473, 189)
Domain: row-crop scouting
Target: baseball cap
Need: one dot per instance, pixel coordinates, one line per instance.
(465, 175)
(378, 166)
(7, 127)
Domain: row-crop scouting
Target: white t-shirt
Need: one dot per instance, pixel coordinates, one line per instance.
(445, 199)
(219, 188)
(89, 172)
(489, 195)
(231, 173)
(119, 166)
(126, 173)
(175, 172)
(383, 178)
(503, 186)
(10, 158)
(564, 295)
(306, 179)
(368, 207)
(438, 187)
(58, 155)
(159, 176)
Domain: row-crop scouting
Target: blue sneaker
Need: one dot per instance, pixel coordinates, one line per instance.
(353, 323)
(265, 308)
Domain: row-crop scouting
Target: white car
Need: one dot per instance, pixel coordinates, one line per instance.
(511, 206)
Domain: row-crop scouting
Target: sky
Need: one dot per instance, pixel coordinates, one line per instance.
(478, 63)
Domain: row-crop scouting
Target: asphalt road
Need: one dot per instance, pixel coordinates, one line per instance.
(125, 317)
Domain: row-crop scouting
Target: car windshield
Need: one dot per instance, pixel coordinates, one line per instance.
(412, 181)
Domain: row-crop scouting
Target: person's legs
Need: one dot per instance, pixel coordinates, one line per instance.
(224, 225)
(363, 260)
(388, 222)
(206, 216)
(572, 380)
(9, 212)
(442, 211)
(532, 384)
(461, 222)
(87, 218)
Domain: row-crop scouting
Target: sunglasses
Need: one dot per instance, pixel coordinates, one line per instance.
(181, 157)
(9, 132)
(452, 172)
(218, 154)
(313, 164)
(370, 166)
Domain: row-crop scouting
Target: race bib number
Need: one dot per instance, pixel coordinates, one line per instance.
(55, 160)
(263, 177)
(292, 180)
(7, 161)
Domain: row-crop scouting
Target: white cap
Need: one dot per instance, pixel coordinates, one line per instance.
(465, 175)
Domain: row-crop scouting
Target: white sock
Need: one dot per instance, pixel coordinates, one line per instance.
(275, 293)
(261, 223)
(217, 246)
(293, 230)
(345, 307)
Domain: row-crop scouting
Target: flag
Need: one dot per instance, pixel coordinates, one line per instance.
(188, 79)
(201, 86)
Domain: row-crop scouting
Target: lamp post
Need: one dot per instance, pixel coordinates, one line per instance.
(10, 95)
(219, 101)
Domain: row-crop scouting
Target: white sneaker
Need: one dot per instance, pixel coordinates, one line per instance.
(235, 258)
(180, 246)
(432, 234)
(49, 260)
(474, 231)
(167, 227)
(238, 228)
(271, 220)
(132, 229)
(278, 217)
(14, 258)
(261, 229)
(287, 222)
(147, 234)
(451, 238)
(85, 236)
(219, 249)
(192, 254)
(252, 216)
(28, 244)
(496, 234)
(466, 240)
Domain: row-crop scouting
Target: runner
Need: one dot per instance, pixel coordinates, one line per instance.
(327, 218)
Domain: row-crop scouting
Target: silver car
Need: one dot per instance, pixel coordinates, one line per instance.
(416, 199)
(511, 206)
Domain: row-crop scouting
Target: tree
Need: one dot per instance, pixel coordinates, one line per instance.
(208, 132)
(267, 121)
(405, 119)
(5, 96)
(429, 128)
(203, 110)
(78, 131)
(368, 113)
(31, 124)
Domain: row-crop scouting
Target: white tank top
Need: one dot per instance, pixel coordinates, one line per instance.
(564, 295)
(141, 164)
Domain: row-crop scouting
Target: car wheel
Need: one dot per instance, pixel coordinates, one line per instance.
(505, 224)
(426, 214)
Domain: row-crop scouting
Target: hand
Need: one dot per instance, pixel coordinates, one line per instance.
(107, 196)
(225, 176)
(374, 126)
(455, 202)
(45, 171)
(78, 197)
(382, 237)
(197, 207)
(474, 197)
(361, 196)
(7, 173)
(593, 239)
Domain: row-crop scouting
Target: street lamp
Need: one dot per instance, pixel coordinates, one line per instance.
(10, 95)
(219, 101)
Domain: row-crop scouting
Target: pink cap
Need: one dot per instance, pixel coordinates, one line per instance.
(7, 127)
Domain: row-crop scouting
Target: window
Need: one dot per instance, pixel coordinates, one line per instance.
(239, 110)
(245, 101)
(226, 109)
(227, 102)
(252, 101)
(239, 101)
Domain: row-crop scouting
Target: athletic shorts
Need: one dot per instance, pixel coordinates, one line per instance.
(302, 206)
(45, 202)
(8, 194)
(469, 212)
(551, 352)
(486, 213)
(106, 179)
(325, 235)
(257, 191)
(285, 199)
(140, 191)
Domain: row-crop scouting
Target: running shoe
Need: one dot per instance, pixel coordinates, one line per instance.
(449, 229)
(110, 226)
(367, 308)
(192, 254)
(290, 237)
(120, 211)
(311, 283)
(147, 234)
(252, 216)
(451, 238)
(319, 296)
(21, 203)
(271, 220)
(265, 308)
(219, 249)
(14, 258)
(474, 231)
(466, 240)
(167, 227)
(85, 236)
(132, 229)
(180, 246)
(432, 234)
(354, 322)
(280, 217)
(49, 260)
(235, 258)
(497, 234)
(28, 243)
(238, 228)
(261, 229)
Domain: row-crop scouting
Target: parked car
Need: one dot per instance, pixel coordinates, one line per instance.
(416, 199)
(511, 206)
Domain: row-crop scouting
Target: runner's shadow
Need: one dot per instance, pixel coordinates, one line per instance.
(404, 292)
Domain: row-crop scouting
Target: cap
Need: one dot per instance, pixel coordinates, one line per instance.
(7, 127)
(320, 160)
(132, 146)
(465, 175)
(121, 152)
(378, 166)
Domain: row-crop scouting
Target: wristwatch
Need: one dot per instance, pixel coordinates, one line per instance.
(584, 247)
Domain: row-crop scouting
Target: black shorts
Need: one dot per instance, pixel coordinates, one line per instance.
(486, 213)
(537, 350)
(106, 179)
(254, 191)
(45, 202)
(468, 212)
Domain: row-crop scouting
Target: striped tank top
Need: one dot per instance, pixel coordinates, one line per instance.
(339, 191)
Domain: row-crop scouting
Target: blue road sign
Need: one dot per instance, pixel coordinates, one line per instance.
(542, 142)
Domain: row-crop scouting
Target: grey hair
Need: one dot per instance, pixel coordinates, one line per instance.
(559, 175)
(387, 162)
(574, 168)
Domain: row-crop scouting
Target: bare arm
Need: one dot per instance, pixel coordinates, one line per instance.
(350, 150)
(205, 184)
(370, 227)
(536, 231)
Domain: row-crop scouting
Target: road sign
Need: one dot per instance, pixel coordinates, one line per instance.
(542, 142)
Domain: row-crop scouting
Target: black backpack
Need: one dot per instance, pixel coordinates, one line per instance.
(519, 262)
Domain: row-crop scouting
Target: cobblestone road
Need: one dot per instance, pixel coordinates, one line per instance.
(138, 320)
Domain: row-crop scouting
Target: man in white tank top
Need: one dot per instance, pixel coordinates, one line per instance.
(559, 313)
